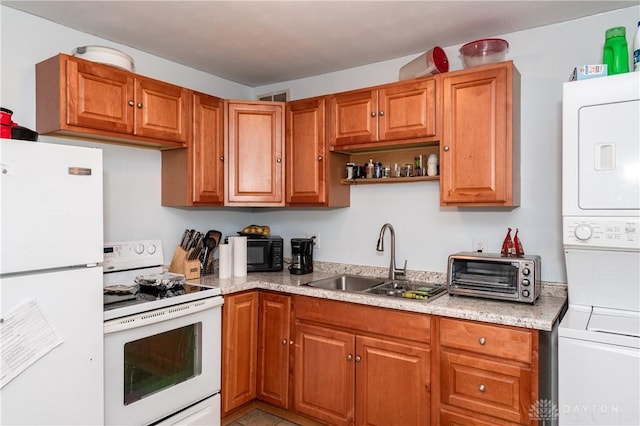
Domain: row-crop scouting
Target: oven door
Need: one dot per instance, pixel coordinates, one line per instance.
(160, 362)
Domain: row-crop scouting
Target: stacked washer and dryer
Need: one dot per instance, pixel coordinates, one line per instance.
(599, 337)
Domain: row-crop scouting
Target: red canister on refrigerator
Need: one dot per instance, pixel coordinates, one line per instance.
(6, 123)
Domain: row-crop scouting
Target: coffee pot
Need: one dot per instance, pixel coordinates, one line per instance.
(301, 256)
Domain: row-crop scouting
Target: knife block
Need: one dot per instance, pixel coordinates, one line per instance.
(181, 265)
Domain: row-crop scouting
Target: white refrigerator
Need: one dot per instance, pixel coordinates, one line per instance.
(51, 249)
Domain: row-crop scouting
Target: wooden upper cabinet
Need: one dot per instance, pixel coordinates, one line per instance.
(194, 176)
(401, 112)
(407, 110)
(161, 110)
(98, 97)
(312, 172)
(207, 150)
(480, 147)
(83, 98)
(255, 153)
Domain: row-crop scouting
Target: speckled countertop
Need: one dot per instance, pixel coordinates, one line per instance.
(541, 316)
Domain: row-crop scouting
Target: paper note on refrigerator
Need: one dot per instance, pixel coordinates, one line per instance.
(25, 337)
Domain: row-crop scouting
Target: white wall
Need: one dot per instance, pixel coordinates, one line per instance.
(426, 233)
(132, 207)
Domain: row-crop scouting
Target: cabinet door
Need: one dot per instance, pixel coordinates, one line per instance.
(255, 154)
(324, 374)
(354, 117)
(273, 349)
(476, 152)
(392, 383)
(161, 110)
(207, 150)
(239, 349)
(306, 155)
(407, 111)
(98, 97)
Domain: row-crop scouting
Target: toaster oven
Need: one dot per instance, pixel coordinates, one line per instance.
(492, 276)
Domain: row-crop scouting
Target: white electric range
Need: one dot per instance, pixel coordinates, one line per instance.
(162, 348)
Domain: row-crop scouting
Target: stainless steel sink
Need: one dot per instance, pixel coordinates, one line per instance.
(408, 290)
(352, 283)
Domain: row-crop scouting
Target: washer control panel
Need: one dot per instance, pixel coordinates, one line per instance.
(620, 233)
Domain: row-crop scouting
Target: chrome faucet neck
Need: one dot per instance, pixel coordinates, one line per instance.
(393, 271)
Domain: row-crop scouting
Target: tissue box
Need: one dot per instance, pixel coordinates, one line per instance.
(584, 72)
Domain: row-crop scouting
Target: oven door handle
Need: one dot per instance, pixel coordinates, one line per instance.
(160, 315)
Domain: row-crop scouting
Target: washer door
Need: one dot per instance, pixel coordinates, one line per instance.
(598, 383)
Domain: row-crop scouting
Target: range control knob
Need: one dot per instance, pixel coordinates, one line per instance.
(583, 232)
(525, 293)
(139, 248)
(526, 271)
(151, 249)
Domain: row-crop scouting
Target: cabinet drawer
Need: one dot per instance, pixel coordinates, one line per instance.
(492, 340)
(493, 388)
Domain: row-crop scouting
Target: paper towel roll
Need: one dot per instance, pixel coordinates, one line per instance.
(225, 261)
(239, 248)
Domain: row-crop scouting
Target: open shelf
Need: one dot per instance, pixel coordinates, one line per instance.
(388, 180)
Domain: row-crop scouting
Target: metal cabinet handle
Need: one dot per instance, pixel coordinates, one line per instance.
(358, 359)
(319, 157)
(139, 105)
(482, 388)
(278, 160)
(222, 158)
(446, 148)
(284, 341)
(373, 113)
(131, 103)
(381, 113)
(482, 340)
(349, 357)
(4, 171)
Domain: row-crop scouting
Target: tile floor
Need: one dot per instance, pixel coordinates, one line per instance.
(258, 417)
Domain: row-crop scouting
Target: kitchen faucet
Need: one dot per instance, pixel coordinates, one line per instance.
(393, 271)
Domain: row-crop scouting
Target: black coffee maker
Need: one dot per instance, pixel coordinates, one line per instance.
(301, 256)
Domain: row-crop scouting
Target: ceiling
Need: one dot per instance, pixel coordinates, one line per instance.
(256, 43)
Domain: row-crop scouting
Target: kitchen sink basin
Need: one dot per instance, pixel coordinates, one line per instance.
(380, 287)
(352, 283)
(407, 290)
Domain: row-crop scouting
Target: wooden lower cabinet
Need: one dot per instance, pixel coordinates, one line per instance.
(273, 349)
(239, 349)
(324, 374)
(348, 373)
(488, 373)
(392, 383)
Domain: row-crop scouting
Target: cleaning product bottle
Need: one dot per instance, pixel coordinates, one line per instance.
(636, 49)
(616, 53)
